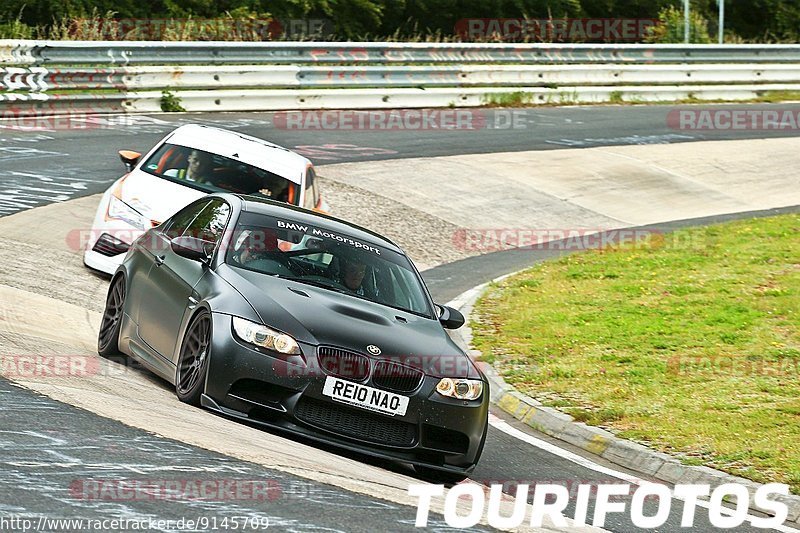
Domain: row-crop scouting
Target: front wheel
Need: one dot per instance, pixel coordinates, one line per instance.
(108, 338)
(193, 360)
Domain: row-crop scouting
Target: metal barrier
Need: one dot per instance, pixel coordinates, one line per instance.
(45, 76)
(286, 52)
(40, 79)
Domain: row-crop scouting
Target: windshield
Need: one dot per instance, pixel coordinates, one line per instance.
(330, 260)
(215, 173)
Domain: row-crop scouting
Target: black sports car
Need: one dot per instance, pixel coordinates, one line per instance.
(300, 321)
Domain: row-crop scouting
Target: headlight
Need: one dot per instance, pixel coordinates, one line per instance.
(463, 389)
(122, 211)
(265, 337)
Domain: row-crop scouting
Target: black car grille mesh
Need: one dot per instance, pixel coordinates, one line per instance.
(109, 246)
(356, 424)
(396, 377)
(342, 363)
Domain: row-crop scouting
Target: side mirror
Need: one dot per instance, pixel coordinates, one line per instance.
(193, 248)
(129, 158)
(450, 318)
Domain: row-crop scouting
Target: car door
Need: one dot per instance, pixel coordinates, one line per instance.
(150, 246)
(169, 290)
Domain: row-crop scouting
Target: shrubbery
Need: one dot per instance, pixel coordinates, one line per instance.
(746, 20)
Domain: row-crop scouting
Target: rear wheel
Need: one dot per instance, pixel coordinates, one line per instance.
(193, 360)
(108, 339)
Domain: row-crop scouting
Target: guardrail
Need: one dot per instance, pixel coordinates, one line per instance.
(44, 77)
(39, 79)
(285, 52)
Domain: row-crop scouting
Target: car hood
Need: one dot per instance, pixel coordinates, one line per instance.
(322, 317)
(154, 197)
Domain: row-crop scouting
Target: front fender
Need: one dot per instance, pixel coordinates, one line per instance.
(218, 297)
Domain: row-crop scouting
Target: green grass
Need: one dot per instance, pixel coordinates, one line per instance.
(512, 99)
(688, 343)
(566, 98)
(778, 96)
(616, 97)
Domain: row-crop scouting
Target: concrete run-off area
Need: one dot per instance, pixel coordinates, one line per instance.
(565, 190)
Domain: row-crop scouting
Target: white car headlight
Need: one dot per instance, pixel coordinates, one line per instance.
(122, 211)
(462, 389)
(261, 335)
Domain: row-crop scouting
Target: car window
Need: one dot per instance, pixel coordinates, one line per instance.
(210, 223)
(329, 260)
(311, 199)
(210, 173)
(176, 225)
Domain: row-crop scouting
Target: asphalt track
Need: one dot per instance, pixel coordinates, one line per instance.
(40, 167)
(49, 472)
(52, 159)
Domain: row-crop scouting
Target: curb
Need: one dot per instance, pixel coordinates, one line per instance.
(595, 440)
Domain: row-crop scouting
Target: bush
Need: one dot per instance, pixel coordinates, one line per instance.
(170, 102)
(15, 30)
(671, 24)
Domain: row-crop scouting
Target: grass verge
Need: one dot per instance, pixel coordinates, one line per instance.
(687, 342)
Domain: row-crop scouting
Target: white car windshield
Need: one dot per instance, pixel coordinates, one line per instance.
(215, 173)
(330, 260)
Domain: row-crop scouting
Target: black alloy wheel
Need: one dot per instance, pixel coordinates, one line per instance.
(108, 339)
(193, 360)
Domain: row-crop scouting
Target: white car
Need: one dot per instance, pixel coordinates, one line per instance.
(188, 163)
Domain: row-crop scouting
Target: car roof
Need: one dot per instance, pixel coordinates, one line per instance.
(265, 206)
(245, 148)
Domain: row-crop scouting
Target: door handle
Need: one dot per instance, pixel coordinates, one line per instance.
(159, 259)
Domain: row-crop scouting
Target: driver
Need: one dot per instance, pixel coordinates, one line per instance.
(351, 274)
(277, 189)
(199, 166)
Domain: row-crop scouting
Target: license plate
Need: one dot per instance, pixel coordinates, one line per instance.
(365, 397)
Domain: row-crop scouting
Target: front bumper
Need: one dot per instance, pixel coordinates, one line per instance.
(107, 247)
(97, 261)
(437, 432)
(102, 257)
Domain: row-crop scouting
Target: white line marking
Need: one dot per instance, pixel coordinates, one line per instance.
(506, 428)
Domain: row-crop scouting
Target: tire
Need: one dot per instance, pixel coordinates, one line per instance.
(439, 476)
(108, 338)
(190, 376)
